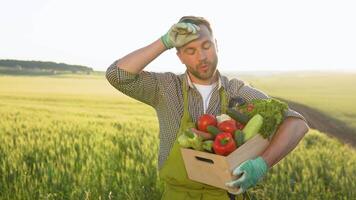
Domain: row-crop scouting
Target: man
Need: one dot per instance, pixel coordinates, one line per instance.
(181, 99)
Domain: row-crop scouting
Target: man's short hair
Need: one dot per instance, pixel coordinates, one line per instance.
(197, 21)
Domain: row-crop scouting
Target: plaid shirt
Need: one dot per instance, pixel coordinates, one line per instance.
(163, 91)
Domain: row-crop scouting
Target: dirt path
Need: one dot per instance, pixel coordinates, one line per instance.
(324, 123)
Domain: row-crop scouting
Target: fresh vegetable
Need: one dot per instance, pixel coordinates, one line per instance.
(238, 116)
(224, 144)
(183, 141)
(250, 107)
(228, 126)
(239, 125)
(213, 130)
(239, 137)
(272, 111)
(222, 118)
(253, 126)
(196, 142)
(188, 139)
(208, 145)
(205, 120)
(204, 135)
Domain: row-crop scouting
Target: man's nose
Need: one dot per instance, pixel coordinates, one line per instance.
(202, 55)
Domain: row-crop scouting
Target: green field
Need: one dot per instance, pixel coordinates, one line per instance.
(331, 93)
(75, 137)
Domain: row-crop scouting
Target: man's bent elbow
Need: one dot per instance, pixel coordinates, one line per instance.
(302, 126)
(299, 125)
(111, 74)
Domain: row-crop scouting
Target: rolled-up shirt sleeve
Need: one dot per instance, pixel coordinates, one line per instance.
(142, 87)
(117, 76)
(293, 113)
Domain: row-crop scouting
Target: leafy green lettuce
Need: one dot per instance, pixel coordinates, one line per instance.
(272, 110)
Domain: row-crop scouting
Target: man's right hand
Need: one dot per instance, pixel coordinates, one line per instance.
(180, 34)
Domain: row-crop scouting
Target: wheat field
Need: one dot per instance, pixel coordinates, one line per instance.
(75, 137)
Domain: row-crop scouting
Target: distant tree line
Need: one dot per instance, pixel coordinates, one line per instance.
(19, 65)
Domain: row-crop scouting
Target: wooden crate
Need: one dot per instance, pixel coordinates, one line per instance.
(216, 170)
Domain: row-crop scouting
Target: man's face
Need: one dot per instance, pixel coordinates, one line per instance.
(200, 56)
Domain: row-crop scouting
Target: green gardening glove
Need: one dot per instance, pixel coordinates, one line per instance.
(252, 171)
(180, 34)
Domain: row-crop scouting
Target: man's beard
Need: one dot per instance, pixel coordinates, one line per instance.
(204, 75)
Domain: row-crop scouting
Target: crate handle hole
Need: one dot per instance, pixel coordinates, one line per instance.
(204, 159)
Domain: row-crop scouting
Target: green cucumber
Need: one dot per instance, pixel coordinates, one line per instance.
(238, 116)
(253, 126)
(213, 130)
(239, 137)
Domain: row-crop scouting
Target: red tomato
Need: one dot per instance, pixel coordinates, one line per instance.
(228, 126)
(205, 120)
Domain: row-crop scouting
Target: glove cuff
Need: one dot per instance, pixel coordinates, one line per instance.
(165, 41)
(263, 165)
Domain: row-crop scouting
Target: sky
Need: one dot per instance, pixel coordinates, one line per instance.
(255, 35)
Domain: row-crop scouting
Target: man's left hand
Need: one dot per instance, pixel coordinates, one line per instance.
(252, 171)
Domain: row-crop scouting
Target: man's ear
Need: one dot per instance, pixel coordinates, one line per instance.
(179, 54)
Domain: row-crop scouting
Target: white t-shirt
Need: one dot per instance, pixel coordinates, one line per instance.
(205, 91)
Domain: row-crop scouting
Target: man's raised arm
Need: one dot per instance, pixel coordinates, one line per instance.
(178, 35)
(137, 60)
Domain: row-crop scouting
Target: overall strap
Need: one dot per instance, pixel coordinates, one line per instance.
(186, 115)
(224, 101)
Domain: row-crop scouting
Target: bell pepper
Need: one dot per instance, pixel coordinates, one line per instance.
(205, 120)
(228, 126)
(224, 144)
